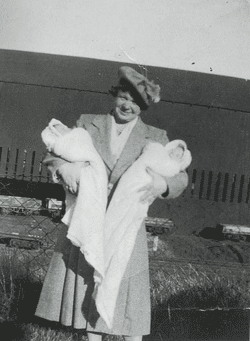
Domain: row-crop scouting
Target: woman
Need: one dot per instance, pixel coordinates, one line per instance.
(119, 137)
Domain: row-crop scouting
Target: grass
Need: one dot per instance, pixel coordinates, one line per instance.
(181, 293)
(190, 286)
(198, 300)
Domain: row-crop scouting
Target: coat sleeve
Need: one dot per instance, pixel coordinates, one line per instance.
(176, 185)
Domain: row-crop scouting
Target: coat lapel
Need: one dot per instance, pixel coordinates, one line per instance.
(100, 131)
(132, 149)
(101, 138)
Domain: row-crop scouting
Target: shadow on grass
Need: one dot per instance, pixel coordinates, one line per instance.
(173, 319)
(12, 331)
(198, 325)
(39, 331)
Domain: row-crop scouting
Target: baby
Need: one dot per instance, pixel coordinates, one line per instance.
(166, 161)
(58, 140)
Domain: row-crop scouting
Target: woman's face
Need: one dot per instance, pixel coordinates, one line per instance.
(126, 109)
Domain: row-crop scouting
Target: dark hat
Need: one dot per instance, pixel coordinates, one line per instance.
(147, 90)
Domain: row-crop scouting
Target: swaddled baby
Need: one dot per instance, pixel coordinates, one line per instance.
(69, 147)
(166, 161)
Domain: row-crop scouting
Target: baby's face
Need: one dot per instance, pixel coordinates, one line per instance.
(176, 153)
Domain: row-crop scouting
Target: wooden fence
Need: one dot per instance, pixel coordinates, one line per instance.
(212, 196)
(23, 174)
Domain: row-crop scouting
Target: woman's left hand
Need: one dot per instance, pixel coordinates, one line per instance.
(154, 189)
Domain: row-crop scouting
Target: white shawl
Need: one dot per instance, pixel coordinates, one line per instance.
(84, 213)
(125, 215)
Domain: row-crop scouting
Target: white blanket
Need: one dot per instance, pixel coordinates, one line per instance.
(85, 213)
(126, 213)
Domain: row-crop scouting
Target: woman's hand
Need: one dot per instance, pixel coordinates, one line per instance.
(154, 189)
(70, 175)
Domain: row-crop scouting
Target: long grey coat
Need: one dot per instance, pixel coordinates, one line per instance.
(68, 286)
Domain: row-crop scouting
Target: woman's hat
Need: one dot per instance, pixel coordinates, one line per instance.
(147, 90)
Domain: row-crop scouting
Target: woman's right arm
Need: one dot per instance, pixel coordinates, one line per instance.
(63, 170)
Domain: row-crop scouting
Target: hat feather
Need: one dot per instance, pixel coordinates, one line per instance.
(153, 91)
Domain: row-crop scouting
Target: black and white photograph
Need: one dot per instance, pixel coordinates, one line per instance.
(124, 170)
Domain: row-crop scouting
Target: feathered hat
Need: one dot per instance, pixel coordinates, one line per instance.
(148, 91)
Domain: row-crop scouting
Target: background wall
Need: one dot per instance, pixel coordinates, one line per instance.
(211, 113)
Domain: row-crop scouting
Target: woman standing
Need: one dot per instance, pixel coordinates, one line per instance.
(119, 137)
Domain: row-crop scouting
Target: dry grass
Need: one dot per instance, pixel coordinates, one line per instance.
(198, 286)
(20, 285)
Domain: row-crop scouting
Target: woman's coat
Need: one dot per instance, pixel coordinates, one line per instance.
(66, 295)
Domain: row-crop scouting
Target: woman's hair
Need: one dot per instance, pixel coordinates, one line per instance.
(125, 86)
